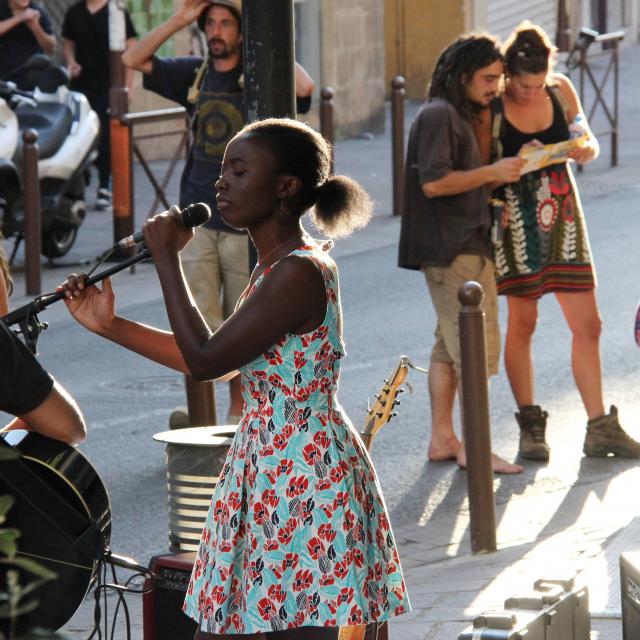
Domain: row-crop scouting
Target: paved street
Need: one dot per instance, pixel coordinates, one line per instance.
(573, 515)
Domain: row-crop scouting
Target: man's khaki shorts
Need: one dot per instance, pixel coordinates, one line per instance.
(216, 266)
(444, 283)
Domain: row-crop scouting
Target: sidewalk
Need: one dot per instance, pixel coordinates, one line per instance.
(576, 531)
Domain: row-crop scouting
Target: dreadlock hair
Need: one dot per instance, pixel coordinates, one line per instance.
(340, 204)
(529, 50)
(457, 64)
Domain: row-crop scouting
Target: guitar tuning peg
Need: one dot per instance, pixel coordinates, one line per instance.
(378, 396)
(393, 415)
(395, 403)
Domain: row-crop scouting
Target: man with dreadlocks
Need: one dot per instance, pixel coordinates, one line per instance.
(216, 262)
(446, 219)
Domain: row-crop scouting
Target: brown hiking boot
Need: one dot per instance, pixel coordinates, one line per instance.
(533, 423)
(605, 436)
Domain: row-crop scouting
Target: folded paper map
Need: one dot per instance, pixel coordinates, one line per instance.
(539, 157)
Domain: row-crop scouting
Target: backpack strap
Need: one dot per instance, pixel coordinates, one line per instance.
(194, 90)
(497, 123)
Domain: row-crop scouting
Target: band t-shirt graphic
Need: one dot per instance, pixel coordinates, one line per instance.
(219, 116)
(218, 121)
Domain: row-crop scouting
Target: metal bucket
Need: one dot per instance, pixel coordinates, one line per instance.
(194, 458)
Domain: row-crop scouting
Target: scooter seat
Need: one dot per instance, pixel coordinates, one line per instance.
(52, 121)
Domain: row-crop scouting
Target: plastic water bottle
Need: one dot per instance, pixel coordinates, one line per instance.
(578, 127)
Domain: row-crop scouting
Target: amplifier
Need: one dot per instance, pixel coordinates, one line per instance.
(630, 594)
(162, 615)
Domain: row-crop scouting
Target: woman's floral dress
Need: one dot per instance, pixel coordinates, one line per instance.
(544, 246)
(297, 533)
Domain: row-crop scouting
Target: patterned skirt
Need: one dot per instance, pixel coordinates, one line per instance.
(544, 246)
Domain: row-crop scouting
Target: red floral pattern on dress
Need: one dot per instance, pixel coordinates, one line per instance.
(297, 533)
(546, 213)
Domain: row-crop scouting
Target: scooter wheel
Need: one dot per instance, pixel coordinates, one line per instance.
(57, 241)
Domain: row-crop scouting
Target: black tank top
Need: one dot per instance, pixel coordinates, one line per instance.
(512, 139)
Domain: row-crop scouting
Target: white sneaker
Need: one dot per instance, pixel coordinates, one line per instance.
(103, 199)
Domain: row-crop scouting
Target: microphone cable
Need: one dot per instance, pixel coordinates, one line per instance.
(104, 588)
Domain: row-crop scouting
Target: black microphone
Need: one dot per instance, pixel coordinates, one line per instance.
(192, 216)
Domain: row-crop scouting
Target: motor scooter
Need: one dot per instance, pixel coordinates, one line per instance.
(68, 131)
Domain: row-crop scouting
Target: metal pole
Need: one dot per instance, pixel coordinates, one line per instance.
(616, 78)
(268, 59)
(583, 63)
(33, 230)
(475, 419)
(397, 141)
(602, 17)
(562, 27)
(201, 402)
(326, 117)
(121, 143)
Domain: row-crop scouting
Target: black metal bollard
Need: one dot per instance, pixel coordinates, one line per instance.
(326, 117)
(32, 226)
(397, 141)
(475, 419)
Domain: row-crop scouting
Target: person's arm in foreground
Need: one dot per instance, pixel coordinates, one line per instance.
(58, 416)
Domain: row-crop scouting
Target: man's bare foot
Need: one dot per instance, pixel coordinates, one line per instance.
(498, 464)
(443, 448)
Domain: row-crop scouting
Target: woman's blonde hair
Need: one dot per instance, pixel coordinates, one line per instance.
(4, 266)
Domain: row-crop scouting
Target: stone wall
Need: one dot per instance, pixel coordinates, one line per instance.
(352, 63)
(340, 43)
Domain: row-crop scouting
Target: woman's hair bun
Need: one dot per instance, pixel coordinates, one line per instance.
(528, 50)
(341, 206)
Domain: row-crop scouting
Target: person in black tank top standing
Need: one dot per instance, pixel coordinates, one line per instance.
(543, 246)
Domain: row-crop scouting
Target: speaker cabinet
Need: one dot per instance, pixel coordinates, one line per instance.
(162, 614)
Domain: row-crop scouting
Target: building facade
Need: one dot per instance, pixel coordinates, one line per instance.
(417, 30)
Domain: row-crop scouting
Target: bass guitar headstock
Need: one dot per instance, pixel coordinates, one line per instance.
(386, 401)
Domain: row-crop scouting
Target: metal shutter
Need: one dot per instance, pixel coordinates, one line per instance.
(504, 15)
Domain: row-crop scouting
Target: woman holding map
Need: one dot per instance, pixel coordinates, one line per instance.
(540, 238)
